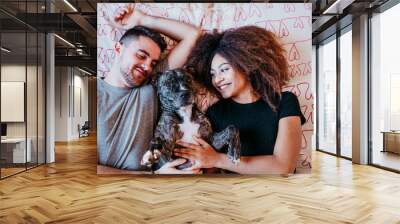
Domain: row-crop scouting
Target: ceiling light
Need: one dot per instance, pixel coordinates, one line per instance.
(331, 7)
(86, 72)
(70, 5)
(5, 49)
(337, 7)
(65, 41)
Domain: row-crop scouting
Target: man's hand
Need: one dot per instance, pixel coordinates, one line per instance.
(169, 168)
(127, 18)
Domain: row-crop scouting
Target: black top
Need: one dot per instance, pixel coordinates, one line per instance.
(257, 122)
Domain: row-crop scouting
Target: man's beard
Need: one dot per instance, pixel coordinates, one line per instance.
(129, 78)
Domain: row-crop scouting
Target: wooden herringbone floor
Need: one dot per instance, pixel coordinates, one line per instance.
(69, 191)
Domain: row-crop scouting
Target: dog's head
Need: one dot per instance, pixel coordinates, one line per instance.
(175, 89)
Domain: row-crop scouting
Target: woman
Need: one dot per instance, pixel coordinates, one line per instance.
(247, 68)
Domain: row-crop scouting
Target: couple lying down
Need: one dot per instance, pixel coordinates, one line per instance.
(245, 68)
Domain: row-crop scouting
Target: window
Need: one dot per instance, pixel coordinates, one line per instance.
(326, 95)
(346, 93)
(22, 74)
(385, 89)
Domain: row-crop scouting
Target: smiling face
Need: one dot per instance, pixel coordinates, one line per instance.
(229, 82)
(138, 59)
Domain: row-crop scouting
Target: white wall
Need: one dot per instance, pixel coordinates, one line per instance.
(61, 103)
(33, 126)
(13, 73)
(80, 110)
(71, 94)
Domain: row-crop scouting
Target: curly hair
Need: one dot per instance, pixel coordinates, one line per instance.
(251, 50)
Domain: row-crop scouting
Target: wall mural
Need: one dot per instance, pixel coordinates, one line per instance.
(290, 22)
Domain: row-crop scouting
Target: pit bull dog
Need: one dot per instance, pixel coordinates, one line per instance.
(181, 119)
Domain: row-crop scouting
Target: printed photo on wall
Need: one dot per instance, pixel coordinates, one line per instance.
(200, 88)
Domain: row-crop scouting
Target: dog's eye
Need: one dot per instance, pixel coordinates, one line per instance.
(188, 79)
(183, 88)
(175, 88)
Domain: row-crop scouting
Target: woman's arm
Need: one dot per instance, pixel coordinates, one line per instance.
(283, 161)
(185, 34)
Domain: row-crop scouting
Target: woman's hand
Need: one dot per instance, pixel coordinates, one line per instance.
(203, 155)
(127, 18)
(169, 168)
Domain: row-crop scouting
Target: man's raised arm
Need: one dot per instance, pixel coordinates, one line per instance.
(185, 34)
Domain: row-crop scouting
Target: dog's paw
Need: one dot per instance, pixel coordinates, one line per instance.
(147, 158)
(150, 157)
(235, 159)
(156, 155)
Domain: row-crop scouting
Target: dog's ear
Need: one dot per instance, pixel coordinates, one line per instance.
(190, 73)
(189, 70)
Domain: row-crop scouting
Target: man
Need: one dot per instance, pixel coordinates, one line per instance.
(127, 103)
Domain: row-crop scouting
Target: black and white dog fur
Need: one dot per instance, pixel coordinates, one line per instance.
(180, 119)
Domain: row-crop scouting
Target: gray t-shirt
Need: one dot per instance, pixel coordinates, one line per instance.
(126, 121)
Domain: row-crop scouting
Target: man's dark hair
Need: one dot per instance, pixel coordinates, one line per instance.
(137, 31)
